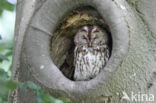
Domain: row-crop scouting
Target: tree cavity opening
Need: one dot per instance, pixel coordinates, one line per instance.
(62, 42)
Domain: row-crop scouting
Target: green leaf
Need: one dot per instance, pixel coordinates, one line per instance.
(2, 57)
(39, 97)
(12, 84)
(9, 53)
(23, 86)
(58, 101)
(5, 5)
(3, 89)
(50, 99)
(8, 6)
(65, 100)
(7, 85)
(3, 74)
(32, 85)
(47, 98)
(1, 11)
(0, 37)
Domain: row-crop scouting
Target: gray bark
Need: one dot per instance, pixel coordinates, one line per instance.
(131, 67)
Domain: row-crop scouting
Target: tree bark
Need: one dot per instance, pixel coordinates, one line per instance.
(130, 70)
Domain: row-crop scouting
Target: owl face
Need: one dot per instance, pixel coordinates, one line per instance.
(90, 36)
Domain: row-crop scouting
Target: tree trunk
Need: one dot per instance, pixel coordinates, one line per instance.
(128, 77)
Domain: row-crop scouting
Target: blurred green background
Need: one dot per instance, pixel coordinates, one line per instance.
(7, 22)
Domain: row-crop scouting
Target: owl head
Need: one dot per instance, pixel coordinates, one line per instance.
(90, 36)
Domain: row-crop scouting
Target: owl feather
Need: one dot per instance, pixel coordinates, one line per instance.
(91, 52)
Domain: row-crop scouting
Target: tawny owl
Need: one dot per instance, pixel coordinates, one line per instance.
(91, 52)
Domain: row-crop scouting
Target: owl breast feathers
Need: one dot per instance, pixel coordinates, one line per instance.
(89, 61)
(91, 52)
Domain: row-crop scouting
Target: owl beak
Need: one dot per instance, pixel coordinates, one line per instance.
(90, 44)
